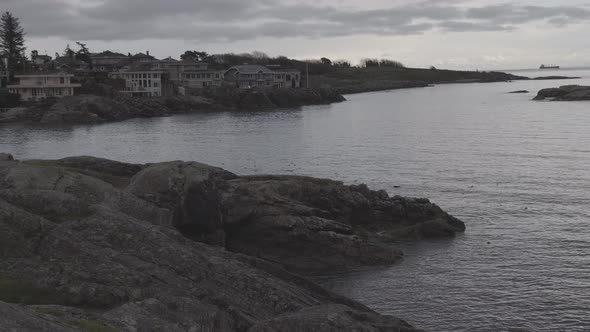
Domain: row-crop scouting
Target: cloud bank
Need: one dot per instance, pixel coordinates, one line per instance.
(238, 20)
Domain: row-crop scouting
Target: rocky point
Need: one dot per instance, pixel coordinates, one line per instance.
(89, 244)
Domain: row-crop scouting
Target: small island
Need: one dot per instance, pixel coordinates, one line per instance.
(565, 93)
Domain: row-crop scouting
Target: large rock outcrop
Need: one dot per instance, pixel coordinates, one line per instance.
(565, 93)
(89, 243)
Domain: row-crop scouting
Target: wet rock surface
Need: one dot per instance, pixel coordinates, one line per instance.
(182, 246)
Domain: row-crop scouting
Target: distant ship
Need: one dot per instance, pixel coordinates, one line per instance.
(549, 67)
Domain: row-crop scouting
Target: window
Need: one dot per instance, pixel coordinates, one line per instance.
(217, 75)
(156, 84)
(144, 75)
(149, 83)
(156, 75)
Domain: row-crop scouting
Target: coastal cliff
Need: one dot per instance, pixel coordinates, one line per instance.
(181, 246)
(87, 109)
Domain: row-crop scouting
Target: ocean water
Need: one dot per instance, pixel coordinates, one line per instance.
(516, 171)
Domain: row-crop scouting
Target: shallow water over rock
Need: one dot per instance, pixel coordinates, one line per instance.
(516, 171)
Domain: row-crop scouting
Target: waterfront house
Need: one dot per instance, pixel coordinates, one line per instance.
(40, 85)
(286, 77)
(256, 76)
(249, 76)
(142, 80)
(176, 70)
(189, 76)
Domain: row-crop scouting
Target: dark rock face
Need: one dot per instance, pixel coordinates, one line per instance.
(565, 93)
(333, 226)
(182, 246)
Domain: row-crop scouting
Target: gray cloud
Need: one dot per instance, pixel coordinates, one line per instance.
(231, 20)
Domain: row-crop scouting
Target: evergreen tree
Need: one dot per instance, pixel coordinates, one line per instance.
(83, 54)
(12, 40)
(68, 52)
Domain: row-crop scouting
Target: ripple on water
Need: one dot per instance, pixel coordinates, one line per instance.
(516, 171)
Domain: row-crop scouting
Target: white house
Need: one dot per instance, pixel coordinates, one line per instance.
(35, 86)
(141, 80)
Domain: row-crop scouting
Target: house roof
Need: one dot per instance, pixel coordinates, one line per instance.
(169, 59)
(252, 69)
(107, 54)
(142, 56)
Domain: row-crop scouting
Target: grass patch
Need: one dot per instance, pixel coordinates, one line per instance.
(80, 323)
(51, 311)
(94, 326)
(116, 181)
(22, 292)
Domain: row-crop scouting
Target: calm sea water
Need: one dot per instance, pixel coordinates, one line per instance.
(516, 171)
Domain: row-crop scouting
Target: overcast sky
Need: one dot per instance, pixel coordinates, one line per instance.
(489, 34)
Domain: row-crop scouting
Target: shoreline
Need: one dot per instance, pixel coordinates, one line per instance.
(92, 109)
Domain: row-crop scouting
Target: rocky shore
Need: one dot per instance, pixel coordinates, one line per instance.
(89, 244)
(88, 109)
(565, 93)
